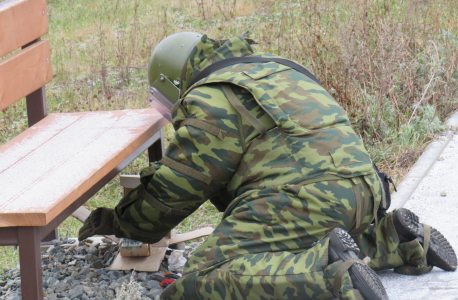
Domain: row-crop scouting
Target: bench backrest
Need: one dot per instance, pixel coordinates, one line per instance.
(24, 73)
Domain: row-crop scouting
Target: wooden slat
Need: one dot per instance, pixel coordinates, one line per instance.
(50, 165)
(24, 72)
(21, 21)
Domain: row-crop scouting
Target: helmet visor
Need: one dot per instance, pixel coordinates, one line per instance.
(160, 103)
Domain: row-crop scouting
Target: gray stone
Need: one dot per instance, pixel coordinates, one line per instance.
(115, 274)
(84, 250)
(85, 270)
(107, 255)
(61, 286)
(152, 284)
(97, 264)
(107, 241)
(75, 275)
(108, 263)
(91, 275)
(90, 258)
(79, 257)
(141, 276)
(76, 292)
(51, 297)
(110, 294)
(52, 280)
(2, 283)
(124, 279)
(51, 250)
(84, 297)
(154, 293)
(89, 291)
(93, 250)
(80, 263)
(113, 286)
(103, 249)
(72, 263)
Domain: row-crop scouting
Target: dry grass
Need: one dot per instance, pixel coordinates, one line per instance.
(392, 64)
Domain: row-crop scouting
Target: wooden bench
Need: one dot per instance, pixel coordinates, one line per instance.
(61, 160)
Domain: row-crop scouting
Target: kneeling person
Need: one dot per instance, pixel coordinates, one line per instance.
(260, 137)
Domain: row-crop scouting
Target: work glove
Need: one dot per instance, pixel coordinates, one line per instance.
(100, 221)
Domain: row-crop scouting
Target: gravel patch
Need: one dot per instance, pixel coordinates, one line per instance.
(78, 271)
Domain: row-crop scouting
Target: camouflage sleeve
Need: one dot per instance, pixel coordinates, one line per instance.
(197, 166)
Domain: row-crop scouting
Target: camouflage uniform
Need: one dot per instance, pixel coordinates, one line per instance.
(272, 148)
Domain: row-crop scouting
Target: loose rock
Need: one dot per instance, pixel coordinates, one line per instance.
(76, 271)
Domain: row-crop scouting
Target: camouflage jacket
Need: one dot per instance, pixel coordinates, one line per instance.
(246, 127)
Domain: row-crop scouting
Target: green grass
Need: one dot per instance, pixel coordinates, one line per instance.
(378, 58)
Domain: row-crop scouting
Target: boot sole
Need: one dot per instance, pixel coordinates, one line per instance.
(363, 277)
(440, 252)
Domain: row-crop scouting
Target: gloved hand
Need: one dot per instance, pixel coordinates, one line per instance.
(100, 221)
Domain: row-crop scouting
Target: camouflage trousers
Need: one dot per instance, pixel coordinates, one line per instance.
(274, 246)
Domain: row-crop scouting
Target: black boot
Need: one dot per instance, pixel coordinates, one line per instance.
(440, 252)
(365, 280)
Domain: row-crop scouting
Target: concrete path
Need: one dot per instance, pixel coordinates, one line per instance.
(440, 212)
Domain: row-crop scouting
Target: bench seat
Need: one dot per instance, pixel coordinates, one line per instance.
(49, 166)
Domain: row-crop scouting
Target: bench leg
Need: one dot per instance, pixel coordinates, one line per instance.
(29, 239)
(53, 235)
(156, 151)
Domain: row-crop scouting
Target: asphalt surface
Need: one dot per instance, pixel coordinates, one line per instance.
(440, 212)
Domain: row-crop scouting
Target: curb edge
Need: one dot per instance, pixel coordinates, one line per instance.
(423, 165)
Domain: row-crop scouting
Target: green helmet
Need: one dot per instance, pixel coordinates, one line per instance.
(165, 68)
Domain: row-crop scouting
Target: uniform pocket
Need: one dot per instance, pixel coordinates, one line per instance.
(349, 156)
(279, 275)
